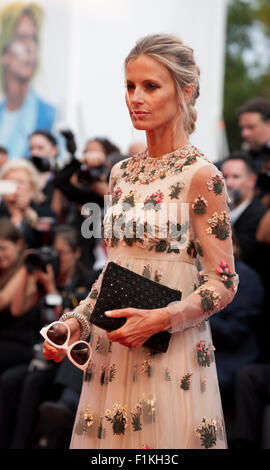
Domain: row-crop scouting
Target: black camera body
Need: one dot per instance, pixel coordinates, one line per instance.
(100, 173)
(38, 259)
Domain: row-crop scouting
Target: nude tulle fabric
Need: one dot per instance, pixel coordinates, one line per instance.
(171, 392)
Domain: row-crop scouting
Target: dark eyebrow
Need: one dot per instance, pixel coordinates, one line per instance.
(147, 80)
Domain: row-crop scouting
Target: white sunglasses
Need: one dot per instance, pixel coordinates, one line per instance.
(58, 335)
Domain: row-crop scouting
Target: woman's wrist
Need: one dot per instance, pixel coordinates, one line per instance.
(81, 320)
(166, 317)
(51, 289)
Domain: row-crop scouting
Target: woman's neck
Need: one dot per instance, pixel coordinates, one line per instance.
(15, 93)
(166, 140)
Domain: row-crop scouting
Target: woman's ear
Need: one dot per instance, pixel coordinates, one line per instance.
(188, 92)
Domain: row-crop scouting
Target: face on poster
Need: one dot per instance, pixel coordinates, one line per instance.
(28, 67)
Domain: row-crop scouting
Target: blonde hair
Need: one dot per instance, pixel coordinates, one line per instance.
(178, 58)
(28, 167)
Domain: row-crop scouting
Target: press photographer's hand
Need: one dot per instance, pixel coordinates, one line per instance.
(46, 279)
(93, 158)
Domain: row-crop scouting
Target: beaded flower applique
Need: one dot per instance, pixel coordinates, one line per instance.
(144, 169)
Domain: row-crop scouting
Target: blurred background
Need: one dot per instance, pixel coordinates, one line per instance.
(63, 125)
(82, 45)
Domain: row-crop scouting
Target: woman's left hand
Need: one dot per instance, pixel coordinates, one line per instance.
(140, 325)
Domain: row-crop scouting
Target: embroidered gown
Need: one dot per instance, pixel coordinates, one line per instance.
(168, 221)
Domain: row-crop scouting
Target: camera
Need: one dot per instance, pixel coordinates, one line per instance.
(44, 164)
(90, 175)
(38, 259)
(100, 173)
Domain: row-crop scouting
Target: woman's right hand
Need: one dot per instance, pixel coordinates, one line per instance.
(51, 353)
(58, 354)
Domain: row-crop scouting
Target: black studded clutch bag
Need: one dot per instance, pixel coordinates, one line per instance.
(121, 288)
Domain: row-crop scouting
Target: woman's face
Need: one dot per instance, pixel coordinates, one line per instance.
(21, 56)
(94, 146)
(24, 190)
(67, 257)
(9, 252)
(151, 95)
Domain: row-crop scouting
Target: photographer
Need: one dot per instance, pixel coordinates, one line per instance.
(19, 330)
(92, 172)
(86, 180)
(22, 198)
(24, 387)
(43, 153)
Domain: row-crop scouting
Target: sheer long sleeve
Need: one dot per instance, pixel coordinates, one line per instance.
(210, 227)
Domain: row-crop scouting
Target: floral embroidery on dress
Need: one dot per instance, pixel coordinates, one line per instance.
(203, 353)
(210, 298)
(112, 372)
(147, 368)
(208, 432)
(113, 183)
(130, 200)
(186, 381)
(176, 189)
(102, 345)
(154, 201)
(107, 374)
(226, 275)
(158, 275)
(147, 271)
(85, 421)
(148, 408)
(219, 225)
(136, 417)
(89, 373)
(101, 431)
(103, 375)
(194, 248)
(116, 195)
(88, 417)
(200, 204)
(216, 183)
(144, 169)
(118, 418)
(94, 293)
(202, 277)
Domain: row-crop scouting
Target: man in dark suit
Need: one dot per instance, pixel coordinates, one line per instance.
(246, 212)
(246, 208)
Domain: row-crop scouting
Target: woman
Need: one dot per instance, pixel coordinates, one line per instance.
(19, 330)
(87, 185)
(22, 203)
(24, 386)
(22, 110)
(130, 397)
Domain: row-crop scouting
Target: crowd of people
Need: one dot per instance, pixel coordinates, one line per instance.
(47, 262)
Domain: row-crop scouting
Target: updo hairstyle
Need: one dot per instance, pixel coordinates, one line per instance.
(178, 58)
